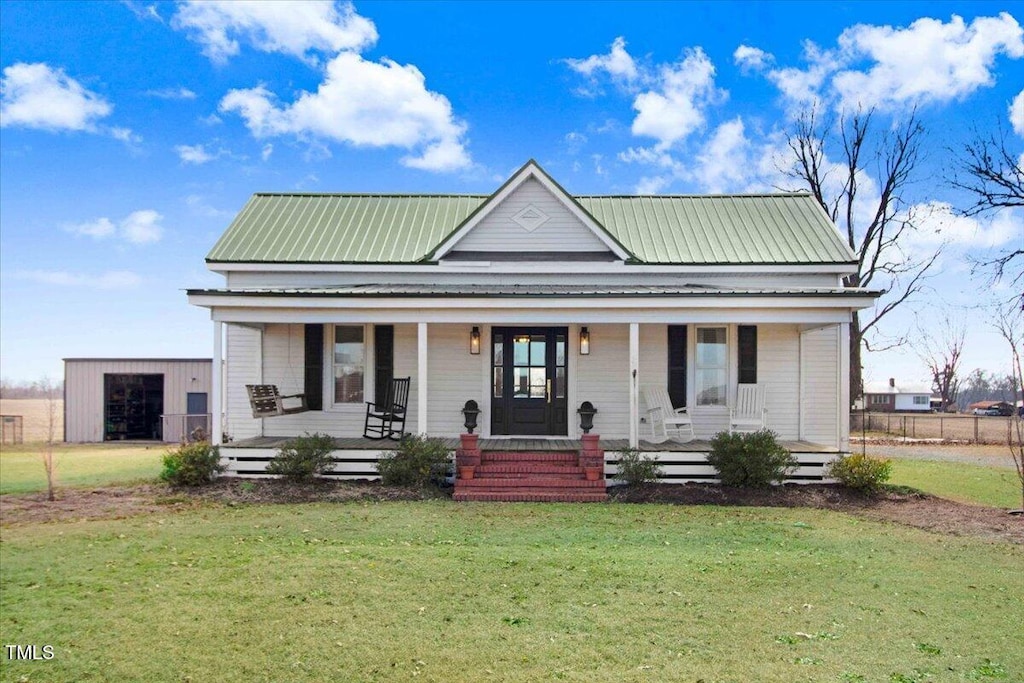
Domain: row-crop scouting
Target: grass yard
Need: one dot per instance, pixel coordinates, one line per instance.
(508, 592)
(21, 466)
(978, 484)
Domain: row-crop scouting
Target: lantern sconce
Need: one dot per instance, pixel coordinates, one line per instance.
(474, 341)
(584, 341)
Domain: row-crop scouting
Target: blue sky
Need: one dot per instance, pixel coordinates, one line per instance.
(133, 132)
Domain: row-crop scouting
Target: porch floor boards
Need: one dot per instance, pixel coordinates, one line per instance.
(526, 444)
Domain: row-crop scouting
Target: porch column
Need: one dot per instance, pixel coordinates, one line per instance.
(216, 385)
(421, 378)
(844, 387)
(634, 383)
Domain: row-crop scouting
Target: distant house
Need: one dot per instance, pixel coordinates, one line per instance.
(893, 398)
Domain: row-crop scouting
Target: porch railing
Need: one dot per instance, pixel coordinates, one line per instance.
(182, 427)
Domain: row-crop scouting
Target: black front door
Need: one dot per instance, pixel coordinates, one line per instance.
(528, 381)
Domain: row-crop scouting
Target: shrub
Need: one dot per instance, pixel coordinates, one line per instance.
(636, 469)
(192, 464)
(303, 457)
(418, 462)
(751, 460)
(861, 472)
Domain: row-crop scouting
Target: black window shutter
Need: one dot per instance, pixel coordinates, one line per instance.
(677, 365)
(384, 359)
(748, 354)
(314, 362)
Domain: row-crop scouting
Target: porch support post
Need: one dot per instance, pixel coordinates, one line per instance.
(421, 378)
(634, 383)
(216, 384)
(844, 387)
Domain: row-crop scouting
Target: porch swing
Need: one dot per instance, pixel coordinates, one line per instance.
(267, 401)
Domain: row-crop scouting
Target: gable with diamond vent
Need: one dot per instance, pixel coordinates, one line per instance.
(528, 215)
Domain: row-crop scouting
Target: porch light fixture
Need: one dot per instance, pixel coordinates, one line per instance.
(584, 341)
(474, 341)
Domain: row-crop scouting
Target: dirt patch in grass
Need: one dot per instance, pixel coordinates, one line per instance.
(902, 507)
(116, 502)
(910, 508)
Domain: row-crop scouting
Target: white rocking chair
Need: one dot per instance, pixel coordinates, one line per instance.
(666, 422)
(749, 414)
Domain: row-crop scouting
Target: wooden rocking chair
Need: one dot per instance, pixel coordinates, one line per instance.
(386, 419)
(749, 414)
(663, 418)
(267, 401)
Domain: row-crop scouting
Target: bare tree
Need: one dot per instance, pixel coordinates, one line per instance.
(51, 393)
(1010, 323)
(991, 175)
(942, 354)
(876, 232)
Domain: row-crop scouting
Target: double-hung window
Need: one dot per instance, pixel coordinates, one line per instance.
(349, 363)
(712, 366)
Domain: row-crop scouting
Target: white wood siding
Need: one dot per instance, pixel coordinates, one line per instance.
(603, 379)
(84, 406)
(778, 366)
(819, 396)
(561, 232)
(906, 402)
(243, 366)
(454, 376)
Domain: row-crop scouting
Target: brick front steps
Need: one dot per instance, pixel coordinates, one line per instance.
(530, 476)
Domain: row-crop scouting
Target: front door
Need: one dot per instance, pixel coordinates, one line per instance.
(528, 381)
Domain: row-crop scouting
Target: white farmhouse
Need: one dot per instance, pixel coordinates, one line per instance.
(530, 302)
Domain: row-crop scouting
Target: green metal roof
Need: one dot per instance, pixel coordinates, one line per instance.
(719, 229)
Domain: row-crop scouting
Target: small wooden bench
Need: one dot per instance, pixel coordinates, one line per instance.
(267, 401)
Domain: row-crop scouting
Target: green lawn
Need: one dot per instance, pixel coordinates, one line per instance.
(508, 592)
(21, 467)
(992, 486)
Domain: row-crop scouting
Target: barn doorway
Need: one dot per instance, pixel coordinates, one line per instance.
(133, 405)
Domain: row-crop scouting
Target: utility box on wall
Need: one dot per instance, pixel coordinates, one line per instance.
(136, 399)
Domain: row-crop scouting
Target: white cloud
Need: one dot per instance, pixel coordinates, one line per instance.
(675, 108)
(114, 279)
(98, 229)
(126, 135)
(652, 185)
(892, 68)
(297, 27)
(194, 154)
(142, 227)
(751, 58)
(1017, 114)
(198, 205)
(938, 223)
(723, 163)
(138, 227)
(180, 93)
(618, 64)
(267, 150)
(363, 103)
(41, 96)
(143, 12)
(927, 61)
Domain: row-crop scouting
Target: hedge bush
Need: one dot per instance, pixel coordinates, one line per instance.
(192, 464)
(753, 460)
(418, 462)
(636, 469)
(303, 457)
(862, 472)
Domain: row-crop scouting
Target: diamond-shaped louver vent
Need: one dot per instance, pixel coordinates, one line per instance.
(530, 218)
